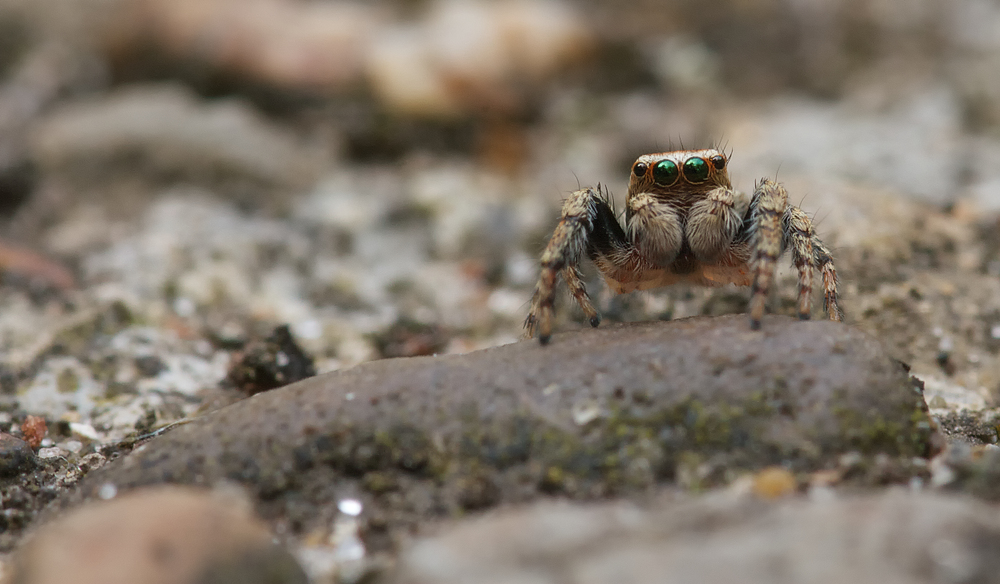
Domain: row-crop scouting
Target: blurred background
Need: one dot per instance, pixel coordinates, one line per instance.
(178, 177)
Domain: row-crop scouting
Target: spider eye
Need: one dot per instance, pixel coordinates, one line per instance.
(640, 169)
(719, 161)
(696, 170)
(665, 173)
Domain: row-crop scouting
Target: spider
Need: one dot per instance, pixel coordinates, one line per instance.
(684, 222)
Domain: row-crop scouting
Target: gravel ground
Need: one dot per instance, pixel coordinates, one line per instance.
(164, 211)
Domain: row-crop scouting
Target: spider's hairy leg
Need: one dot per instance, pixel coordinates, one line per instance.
(798, 230)
(824, 261)
(574, 279)
(714, 221)
(587, 221)
(770, 200)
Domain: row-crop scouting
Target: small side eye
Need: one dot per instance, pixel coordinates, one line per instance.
(695, 170)
(665, 173)
(640, 169)
(718, 161)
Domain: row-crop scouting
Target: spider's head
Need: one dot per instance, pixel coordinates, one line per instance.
(682, 173)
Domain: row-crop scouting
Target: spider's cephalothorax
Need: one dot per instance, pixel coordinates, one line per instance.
(683, 223)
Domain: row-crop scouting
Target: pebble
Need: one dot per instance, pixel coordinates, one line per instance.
(773, 483)
(165, 130)
(160, 535)
(15, 455)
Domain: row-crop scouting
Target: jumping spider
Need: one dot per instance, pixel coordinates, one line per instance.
(684, 222)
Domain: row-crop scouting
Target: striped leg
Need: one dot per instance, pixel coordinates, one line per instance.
(587, 222)
(799, 233)
(768, 207)
(824, 261)
(574, 279)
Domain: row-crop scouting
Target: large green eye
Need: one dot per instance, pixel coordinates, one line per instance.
(665, 173)
(696, 170)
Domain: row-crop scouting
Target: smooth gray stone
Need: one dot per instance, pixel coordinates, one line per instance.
(597, 412)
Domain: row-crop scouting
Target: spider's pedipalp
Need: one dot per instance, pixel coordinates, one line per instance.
(714, 222)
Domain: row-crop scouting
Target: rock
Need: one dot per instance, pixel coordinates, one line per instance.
(34, 429)
(163, 132)
(598, 412)
(16, 455)
(275, 361)
(467, 56)
(895, 537)
(162, 535)
(290, 45)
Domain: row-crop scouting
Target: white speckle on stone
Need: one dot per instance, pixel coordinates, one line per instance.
(352, 507)
(107, 491)
(946, 344)
(85, 430)
(73, 446)
(349, 396)
(585, 412)
(53, 452)
(281, 359)
(551, 389)
(995, 331)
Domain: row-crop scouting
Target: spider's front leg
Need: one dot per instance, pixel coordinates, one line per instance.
(774, 225)
(587, 222)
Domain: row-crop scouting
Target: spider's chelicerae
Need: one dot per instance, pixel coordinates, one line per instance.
(684, 222)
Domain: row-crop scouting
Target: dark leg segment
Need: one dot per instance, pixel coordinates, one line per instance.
(587, 225)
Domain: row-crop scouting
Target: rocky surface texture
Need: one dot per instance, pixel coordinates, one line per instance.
(695, 402)
(204, 200)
